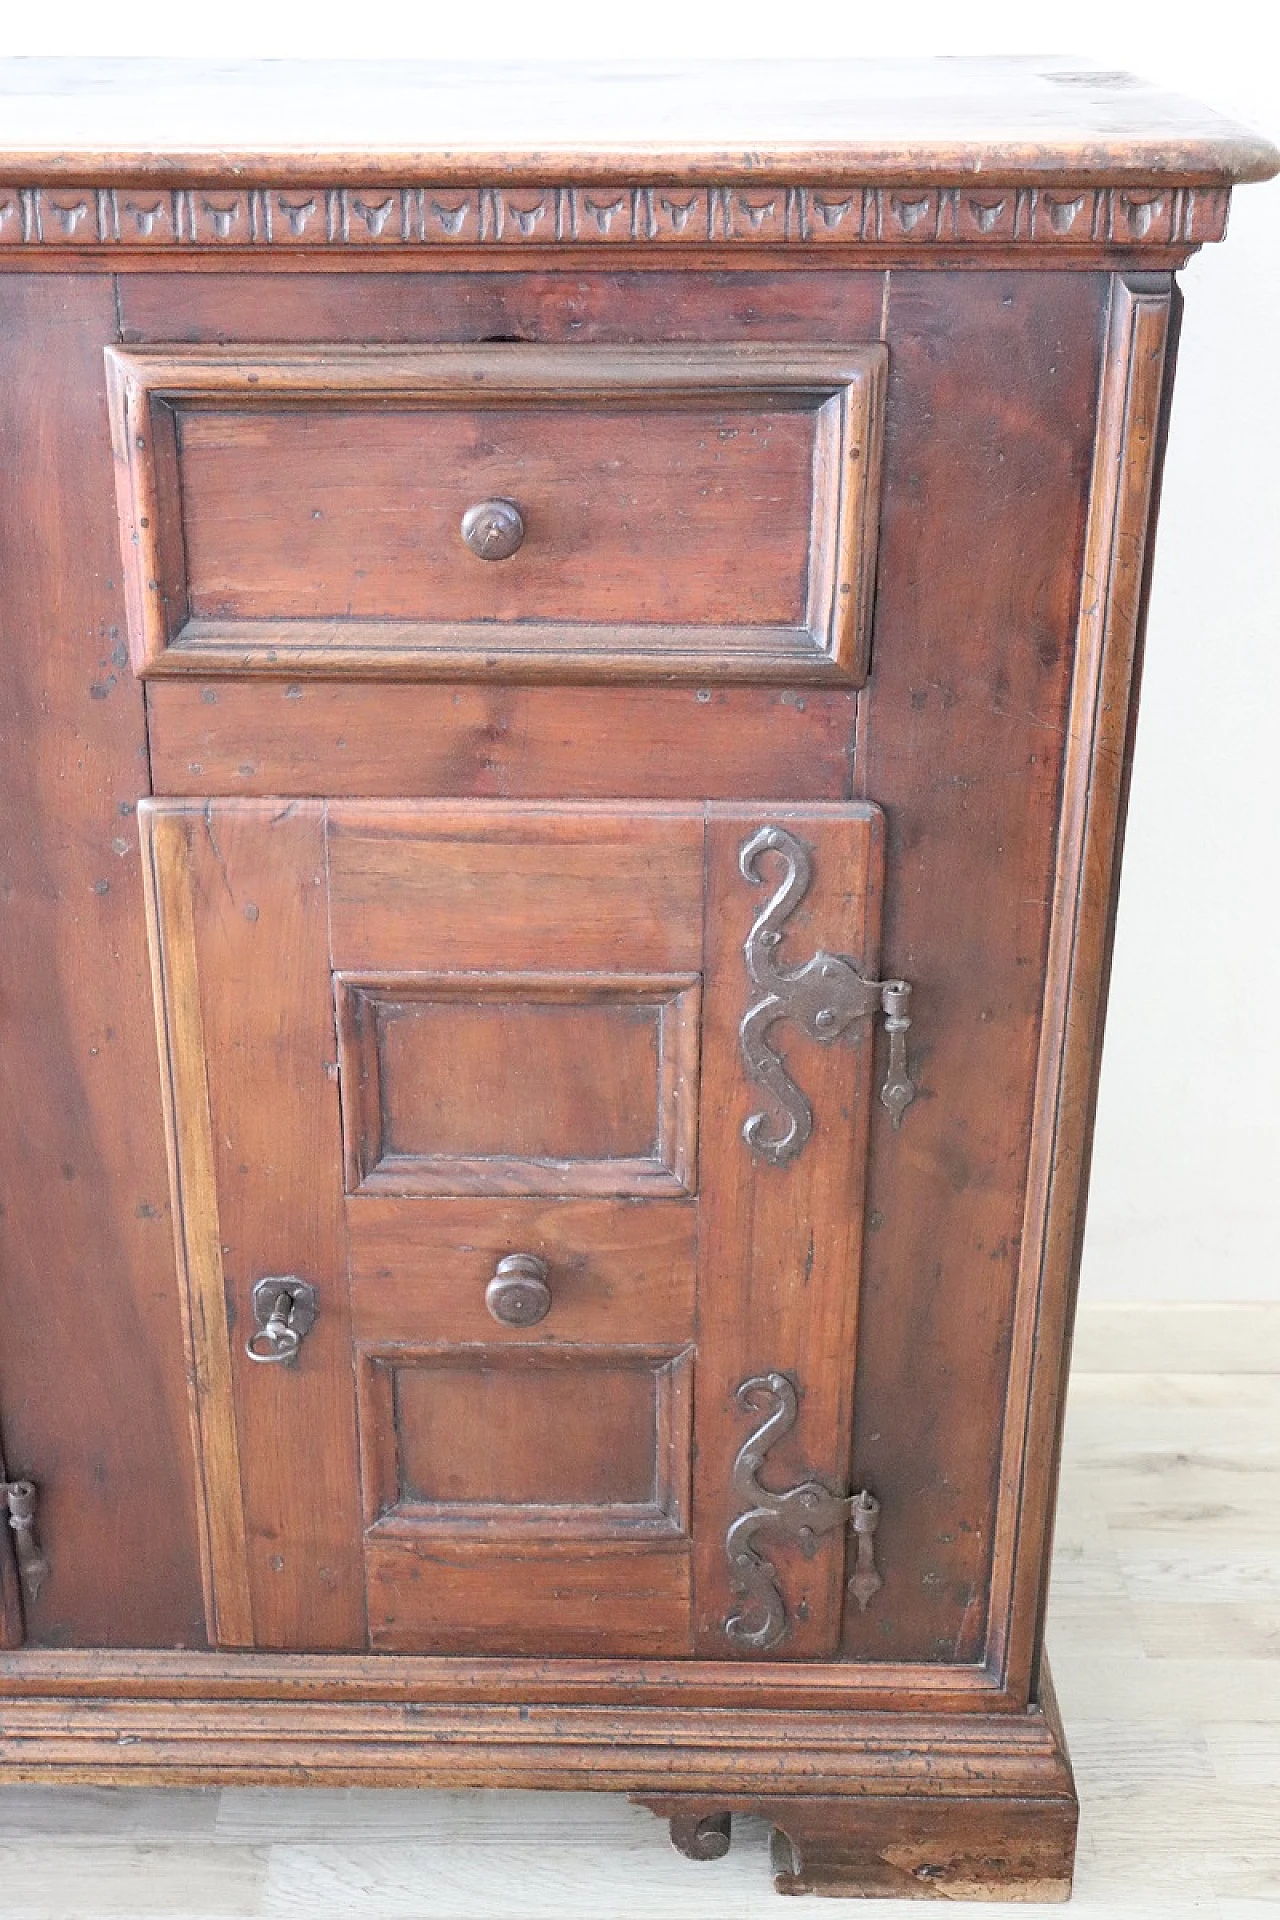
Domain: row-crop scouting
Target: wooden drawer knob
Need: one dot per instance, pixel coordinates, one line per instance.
(493, 529)
(518, 1294)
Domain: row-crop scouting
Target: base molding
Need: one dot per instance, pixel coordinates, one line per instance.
(953, 1806)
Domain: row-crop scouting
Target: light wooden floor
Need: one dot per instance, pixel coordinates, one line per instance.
(1165, 1636)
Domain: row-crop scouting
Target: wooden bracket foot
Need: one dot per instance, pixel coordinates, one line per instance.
(702, 1836)
(900, 1846)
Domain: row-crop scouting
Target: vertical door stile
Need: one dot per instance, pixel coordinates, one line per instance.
(167, 834)
(780, 1244)
(241, 885)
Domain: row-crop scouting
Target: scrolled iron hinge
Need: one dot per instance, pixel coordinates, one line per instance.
(20, 1498)
(760, 1621)
(824, 996)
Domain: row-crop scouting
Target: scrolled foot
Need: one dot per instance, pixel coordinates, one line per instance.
(702, 1836)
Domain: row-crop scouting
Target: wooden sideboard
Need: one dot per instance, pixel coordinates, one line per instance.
(569, 653)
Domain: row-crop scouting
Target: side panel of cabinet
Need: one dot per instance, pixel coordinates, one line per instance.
(92, 1388)
(993, 390)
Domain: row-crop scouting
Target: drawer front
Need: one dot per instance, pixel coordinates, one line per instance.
(590, 512)
(579, 1199)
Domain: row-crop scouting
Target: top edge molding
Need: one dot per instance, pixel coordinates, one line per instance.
(893, 124)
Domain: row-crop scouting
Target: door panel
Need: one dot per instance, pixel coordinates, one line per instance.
(481, 1078)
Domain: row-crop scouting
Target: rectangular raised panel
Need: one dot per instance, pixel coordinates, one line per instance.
(523, 1083)
(573, 1444)
(686, 510)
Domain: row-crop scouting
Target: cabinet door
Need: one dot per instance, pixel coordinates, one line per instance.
(544, 1144)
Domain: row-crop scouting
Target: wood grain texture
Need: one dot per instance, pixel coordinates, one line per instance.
(652, 1754)
(533, 1505)
(905, 120)
(183, 1045)
(900, 1850)
(780, 1246)
(622, 1273)
(972, 674)
(295, 737)
(334, 1679)
(537, 1083)
(481, 1597)
(250, 882)
(601, 305)
(531, 1496)
(1132, 417)
(527, 1494)
(91, 1364)
(577, 888)
(685, 510)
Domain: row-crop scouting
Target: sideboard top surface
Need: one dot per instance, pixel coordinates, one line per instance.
(1012, 120)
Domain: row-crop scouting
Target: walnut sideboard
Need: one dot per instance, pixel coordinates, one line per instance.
(569, 650)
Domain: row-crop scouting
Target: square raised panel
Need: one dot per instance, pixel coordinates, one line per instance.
(518, 1083)
(667, 511)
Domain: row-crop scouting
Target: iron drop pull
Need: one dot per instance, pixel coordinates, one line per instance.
(20, 1498)
(284, 1310)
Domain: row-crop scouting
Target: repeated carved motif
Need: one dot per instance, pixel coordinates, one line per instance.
(425, 216)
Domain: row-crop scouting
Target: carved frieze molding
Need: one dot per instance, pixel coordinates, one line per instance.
(341, 217)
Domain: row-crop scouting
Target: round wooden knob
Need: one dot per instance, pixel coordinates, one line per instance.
(518, 1294)
(493, 529)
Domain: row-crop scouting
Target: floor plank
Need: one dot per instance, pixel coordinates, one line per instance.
(1184, 1337)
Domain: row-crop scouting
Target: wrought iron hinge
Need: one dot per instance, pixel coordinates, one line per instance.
(825, 996)
(20, 1499)
(805, 1511)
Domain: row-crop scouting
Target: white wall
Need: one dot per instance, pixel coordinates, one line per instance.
(1186, 1201)
(1186, 1189)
